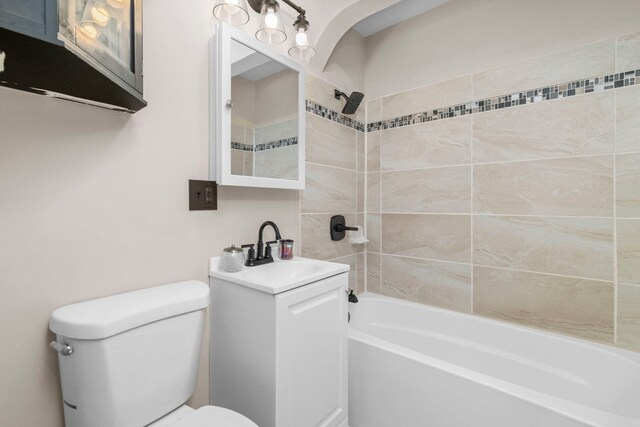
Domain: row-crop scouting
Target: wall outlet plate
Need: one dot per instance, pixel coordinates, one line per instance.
(203, 195)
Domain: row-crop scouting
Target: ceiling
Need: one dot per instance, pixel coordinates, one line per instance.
(394, 14)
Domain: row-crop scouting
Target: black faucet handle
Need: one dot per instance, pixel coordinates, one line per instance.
(251, 256)
(267, 249)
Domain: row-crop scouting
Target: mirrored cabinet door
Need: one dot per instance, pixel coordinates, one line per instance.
(259, 107)
(264, 117)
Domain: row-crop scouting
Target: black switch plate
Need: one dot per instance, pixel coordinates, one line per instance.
(203, 195)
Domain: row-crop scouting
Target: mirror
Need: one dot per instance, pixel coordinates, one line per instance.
(260, 111)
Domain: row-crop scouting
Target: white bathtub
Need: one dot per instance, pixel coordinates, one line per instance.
(416, 366)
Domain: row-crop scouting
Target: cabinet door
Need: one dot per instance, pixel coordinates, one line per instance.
(311, 355)
(107, 34)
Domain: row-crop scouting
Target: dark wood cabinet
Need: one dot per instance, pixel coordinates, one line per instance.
(87, 51)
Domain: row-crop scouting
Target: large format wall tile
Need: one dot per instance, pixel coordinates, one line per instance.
(373, 233)
(579, 307)
(440, 237)
(580, 247)
(628, 52)
(329, 190)
(374, 110)
(439, 190)
(431, 144)
(330, 143)
(373, 272)
(373, 192)
(316, 242)
(628, 231)
(577, 125)
(373, 151)
(580, 186)
(360, 272)
(592, 60)
(628, 333)
(360, 152)
(628, 119)
(441, 284)
(628, 185)
(360, 192)
(450, 92)
(321, 92)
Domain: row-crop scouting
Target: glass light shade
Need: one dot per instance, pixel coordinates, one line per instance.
(232, 12)
(271, 27)
(302, 49)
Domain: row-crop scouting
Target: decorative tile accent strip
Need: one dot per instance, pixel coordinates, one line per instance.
(240, 146)
(277, 144)
(547, 93)
(334, 116)
(266, 145)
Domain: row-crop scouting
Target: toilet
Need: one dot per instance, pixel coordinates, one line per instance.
(131, 360)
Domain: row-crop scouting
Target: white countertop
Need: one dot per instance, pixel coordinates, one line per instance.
(277, 277)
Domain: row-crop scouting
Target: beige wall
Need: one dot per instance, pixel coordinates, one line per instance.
(467, 36)
(95, 202)
(529, 214)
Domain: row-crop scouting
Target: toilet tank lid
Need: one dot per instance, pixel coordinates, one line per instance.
(103, 317)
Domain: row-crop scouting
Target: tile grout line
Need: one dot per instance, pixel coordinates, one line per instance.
(488, 215)
(380, 200)
(566, 276)
(615, 203)
(472, 219)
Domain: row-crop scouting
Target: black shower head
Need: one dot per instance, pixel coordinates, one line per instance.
(353, 101)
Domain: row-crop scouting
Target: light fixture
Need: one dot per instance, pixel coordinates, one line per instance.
(233, 12)
(302, 48)
(271, 30)
(271, 27)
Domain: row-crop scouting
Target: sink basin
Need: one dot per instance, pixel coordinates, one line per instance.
(282, 271)
(279, 276)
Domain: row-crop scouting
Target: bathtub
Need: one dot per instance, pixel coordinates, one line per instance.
(416, 366)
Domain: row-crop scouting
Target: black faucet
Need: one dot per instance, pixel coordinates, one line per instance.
(263, 253)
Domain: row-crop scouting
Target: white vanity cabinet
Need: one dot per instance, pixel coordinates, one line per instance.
(279, 349)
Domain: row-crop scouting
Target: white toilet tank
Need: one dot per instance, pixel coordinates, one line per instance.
(135, 355)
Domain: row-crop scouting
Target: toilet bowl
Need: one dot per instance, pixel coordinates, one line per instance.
(131, 360)
(207, 416)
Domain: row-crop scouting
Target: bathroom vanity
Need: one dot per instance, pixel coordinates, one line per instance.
(279, 342)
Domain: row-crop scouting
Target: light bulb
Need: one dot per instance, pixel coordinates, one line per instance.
(301, 38)
(117, 4)
(89, 29)
(270, 19)
(100, 15)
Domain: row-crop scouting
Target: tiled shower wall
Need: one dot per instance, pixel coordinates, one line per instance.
(334, 180)
(521, 202)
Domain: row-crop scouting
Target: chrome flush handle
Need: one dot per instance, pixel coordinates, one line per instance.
(63, 349)
(229, 104)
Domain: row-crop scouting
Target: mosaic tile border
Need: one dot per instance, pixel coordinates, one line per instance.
(334, 116)
(277, 144)
(546, 93)
(265, 145)
(240, 146)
